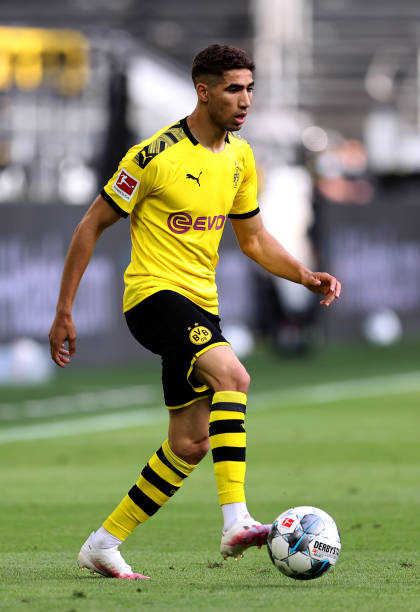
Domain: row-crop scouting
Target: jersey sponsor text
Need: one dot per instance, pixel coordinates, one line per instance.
(180, 223)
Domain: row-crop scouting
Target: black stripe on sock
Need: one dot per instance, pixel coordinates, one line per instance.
(226, 426)
(231, 406)
(229, 453)
(166, 487)
(143, 501)
(164, 460)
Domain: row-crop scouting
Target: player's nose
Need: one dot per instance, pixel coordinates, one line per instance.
(245, 100)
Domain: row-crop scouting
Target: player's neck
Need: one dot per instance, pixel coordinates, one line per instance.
(210, 136)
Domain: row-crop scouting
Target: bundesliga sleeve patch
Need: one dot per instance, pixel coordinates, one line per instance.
(125, 185)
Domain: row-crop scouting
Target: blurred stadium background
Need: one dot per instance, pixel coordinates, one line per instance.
(336, 133)
(333, 411)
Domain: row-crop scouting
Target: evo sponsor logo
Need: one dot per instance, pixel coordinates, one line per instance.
(321, 549)
(125, 185)
(180, 223)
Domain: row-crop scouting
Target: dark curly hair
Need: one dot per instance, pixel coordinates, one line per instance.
(216, 59)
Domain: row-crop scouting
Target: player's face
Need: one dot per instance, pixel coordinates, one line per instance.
(230, 98)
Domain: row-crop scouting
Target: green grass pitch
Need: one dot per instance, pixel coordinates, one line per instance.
(339, 429)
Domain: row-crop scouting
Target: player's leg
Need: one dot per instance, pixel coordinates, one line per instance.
(188, 434)
(165, 471)
(221, 370)
(160, 323)
(159, 480)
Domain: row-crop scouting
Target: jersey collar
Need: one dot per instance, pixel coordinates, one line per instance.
(189, 134)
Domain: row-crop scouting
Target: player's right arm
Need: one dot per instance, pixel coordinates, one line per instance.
(99, 216)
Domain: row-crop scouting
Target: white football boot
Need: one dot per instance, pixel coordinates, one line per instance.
(241, 535)
(105, 561)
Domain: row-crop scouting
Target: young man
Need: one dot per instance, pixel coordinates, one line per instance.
(179, 187)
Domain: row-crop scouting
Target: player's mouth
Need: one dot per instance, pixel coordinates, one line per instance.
(240, 118)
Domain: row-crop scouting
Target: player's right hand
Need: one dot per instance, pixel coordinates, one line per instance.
(62, 330)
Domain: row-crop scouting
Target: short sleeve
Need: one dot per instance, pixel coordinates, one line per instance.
(129, 184)
(245, 203)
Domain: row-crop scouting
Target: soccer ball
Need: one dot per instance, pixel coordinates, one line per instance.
(304, 543)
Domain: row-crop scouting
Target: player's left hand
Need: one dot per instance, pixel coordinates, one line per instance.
(324, 284)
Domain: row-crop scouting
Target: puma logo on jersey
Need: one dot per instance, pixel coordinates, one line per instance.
(146, 155)
(194, 178)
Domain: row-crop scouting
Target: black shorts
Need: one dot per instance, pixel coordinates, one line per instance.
(170, 325)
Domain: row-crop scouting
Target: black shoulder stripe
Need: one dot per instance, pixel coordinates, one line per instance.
(173, 135)
(113, 205)
(247, 215)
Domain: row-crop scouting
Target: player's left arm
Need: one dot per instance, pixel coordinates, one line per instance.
(258, 244)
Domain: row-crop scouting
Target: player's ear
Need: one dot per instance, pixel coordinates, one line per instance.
(202, 90)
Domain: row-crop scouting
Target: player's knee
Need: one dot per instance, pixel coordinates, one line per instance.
(200, 450)
(234, 377)
(244, 382)
(192, 451)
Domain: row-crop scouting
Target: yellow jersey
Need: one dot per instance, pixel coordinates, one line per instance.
(178, 195)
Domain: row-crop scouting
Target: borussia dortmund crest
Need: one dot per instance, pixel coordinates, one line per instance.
(199, 334)
(236, 175)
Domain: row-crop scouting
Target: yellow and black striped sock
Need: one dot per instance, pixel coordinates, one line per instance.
(228, 444)
(159, 480)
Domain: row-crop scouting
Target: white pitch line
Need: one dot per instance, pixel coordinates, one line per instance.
(88, 401)
(375, 386)
(356, 388)
(105, 422)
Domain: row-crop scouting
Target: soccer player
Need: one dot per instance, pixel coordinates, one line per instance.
(179, 187)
